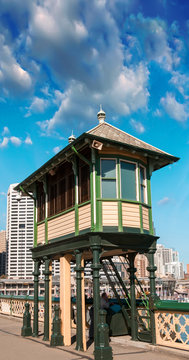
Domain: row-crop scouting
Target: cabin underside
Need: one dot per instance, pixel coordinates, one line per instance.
(90, 248)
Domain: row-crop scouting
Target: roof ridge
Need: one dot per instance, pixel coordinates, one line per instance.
(134, 137)
(87, 132)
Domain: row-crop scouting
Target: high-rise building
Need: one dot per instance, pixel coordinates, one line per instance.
(2, 251)
(19, 235)
(167, 262)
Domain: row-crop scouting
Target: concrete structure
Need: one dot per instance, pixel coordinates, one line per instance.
(2, 252)
(19, 235)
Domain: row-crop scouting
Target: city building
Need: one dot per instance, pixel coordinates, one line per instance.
(167, 262)
(2, 252)
(19, 235)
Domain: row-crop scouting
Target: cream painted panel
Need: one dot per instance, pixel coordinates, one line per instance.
(85, 217)
(110, 213)
(61, 225)
(145, 218)
(130, 215)
(41, 234)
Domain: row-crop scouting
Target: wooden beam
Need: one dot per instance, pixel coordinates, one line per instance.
(83, 307)
(65, 298)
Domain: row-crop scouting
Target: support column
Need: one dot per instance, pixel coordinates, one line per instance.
(79, 269)
(36, 274)
(83, 306)
(50, 300)
(65, 298)
(134, 324)
(152, 269)
(46, 301)
(153, 296)
(96, 266)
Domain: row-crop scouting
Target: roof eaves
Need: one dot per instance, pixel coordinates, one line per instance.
(51, 163)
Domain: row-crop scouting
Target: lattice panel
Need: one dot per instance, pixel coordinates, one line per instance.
(18, 307)
(172, 329)
(144, 316)
(5, 306)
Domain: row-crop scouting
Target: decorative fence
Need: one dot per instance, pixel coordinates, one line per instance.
(171, 318)
(15, 305)
(172, 324)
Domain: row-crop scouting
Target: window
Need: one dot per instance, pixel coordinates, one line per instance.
(84, 183)
(108, 176)
(128, 181)
(143, 195)
(40, 202)
(61, 190)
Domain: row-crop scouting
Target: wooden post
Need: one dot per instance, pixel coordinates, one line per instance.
(65, 298)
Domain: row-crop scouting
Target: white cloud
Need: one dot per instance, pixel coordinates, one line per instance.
(173, 108)
(157, 113)
(137, 125)
(181, 82)
(2, 193)
(15, 140)
(164, 201)
(150, 40)
(13, 78)
(129, 93)
(4, 143)
(38, 105)
(5, 130)
(57, 149)
(28, 140)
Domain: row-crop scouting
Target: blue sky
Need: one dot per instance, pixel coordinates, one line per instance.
(61, 59)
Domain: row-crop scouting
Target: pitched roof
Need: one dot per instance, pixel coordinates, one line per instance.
(110, 132)
(103, 132)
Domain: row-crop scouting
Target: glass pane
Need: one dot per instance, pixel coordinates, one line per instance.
(108, 168)
(108, 188)
(128, 180)
(142, 184)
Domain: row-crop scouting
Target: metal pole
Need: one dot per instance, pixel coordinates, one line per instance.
(79, 269)
(96, 266)
(36, 274)
(134, 324)
(46, 302)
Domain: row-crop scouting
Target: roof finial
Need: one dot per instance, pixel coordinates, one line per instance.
(71, 138)
(101, 115)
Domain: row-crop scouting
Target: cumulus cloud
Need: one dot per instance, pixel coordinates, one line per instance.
(173, 108)
(149, 39)
(13, 77)
(28, 140)
(181, 82)
(138, 126)
(129, 93)
(15, 140)
(57, 149)
(5, 130)
(164, 201)
(74, 46)
(4, 142)
(38, 105)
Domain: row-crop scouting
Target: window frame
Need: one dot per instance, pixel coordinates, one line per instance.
(116, 177)
(136, 178)
(145, 185)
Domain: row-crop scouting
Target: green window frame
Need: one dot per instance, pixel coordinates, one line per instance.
(108, 178)
(129, 180)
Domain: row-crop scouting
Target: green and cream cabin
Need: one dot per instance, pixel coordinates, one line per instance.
(99, 183)
(93, 201)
